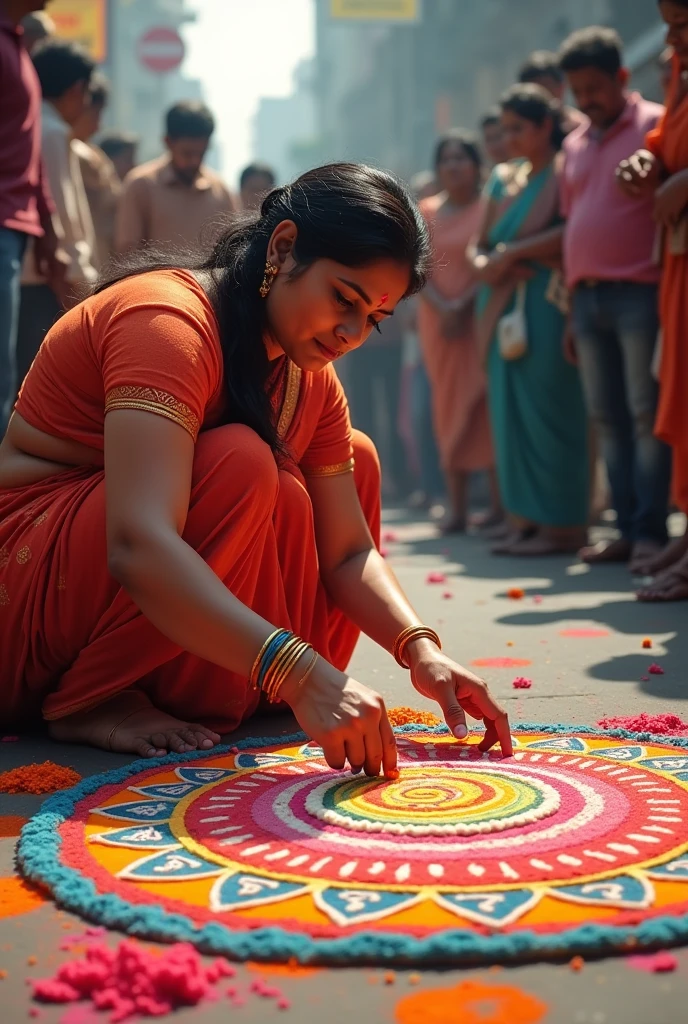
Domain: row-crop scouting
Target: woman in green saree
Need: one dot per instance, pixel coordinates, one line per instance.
(536, 403)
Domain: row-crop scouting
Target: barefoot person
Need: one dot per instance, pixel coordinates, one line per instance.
(446, 328)
(662, 170)
(184, 509)
(536, 403)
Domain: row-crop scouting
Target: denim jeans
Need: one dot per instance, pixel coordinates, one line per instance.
(615, 325)
(12, 245)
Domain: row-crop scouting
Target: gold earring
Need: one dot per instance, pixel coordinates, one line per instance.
(271, 272)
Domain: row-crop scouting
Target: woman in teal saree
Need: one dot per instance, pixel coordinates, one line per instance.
(536, 403)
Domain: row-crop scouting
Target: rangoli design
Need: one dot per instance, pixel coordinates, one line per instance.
(576, 844)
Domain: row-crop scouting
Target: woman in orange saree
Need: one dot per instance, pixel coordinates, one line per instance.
(180, 477)
(663, 167)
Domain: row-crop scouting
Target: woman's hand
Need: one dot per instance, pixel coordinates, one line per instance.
(491, 269)
(639, 174)
(458, 692)
(671, 199)
(348, 720)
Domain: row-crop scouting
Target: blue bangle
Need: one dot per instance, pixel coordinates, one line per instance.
(272, 650)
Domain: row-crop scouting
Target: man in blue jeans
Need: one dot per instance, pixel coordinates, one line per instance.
(25, 204)
(608, 259)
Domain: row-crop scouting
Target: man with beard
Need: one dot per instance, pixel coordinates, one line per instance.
(613, 279)
(173, 199)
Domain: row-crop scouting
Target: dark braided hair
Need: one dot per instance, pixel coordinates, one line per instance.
(349, 213)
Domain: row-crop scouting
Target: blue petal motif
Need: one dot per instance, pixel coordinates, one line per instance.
(234, 892)
(261, 760)
(170, 866)
(167, 791)
(669, 763)
(571, 744)
(620, 753)
(353, 906)
(625, 891)
(672, 871)
(143, 810)
(144, 837)
(494, 909)
(202, 776)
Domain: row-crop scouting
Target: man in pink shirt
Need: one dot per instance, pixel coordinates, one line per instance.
(613, 280)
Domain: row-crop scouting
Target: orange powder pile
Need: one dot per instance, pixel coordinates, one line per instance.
(410, 716)
(471, 1002)
(16, 897)
(38, 778)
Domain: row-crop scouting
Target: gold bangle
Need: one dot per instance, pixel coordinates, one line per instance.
(309, 669)
(409, 634)
(261, 652)
(275, 697)
(283, 657)
(278, 678)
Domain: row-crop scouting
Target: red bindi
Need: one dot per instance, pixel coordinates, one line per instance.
(384, 298)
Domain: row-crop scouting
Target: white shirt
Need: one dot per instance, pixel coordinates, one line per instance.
(73, 222)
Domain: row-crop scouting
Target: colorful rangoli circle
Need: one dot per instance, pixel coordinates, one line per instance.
(577, 844)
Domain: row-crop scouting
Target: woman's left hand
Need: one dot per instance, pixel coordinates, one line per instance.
(458, 692)
(671, 199)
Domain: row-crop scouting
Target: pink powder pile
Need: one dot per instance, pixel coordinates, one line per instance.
(435, 577)
(662, 725)
(522, 683)
(653, 963)
(129, 980)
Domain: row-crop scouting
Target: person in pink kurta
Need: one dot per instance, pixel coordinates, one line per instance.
(446, 327)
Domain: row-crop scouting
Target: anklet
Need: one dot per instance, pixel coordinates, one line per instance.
(116, 727)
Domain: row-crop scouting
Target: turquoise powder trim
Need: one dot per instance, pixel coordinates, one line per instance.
(38, 855)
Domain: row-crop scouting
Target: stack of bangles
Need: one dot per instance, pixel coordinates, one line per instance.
(276, 659)
(407, 636)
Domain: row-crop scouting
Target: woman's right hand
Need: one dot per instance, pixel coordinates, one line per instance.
(639, 174)
(348, 720)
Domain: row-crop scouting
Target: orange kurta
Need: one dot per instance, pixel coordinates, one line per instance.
(669, 142)
(457, 378)
(70, 636)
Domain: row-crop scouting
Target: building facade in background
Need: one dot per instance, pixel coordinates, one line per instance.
(386, 84)
(284, 128)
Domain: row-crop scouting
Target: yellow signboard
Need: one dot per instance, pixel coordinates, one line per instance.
(376, 10)
(82, 21)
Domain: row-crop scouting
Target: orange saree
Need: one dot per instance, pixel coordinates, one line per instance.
(70, 635)
(669, 142)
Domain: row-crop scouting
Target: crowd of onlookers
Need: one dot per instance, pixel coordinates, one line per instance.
(549, 349)
(72, 195)
(549, 342)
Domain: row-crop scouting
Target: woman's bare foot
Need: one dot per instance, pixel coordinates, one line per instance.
(129, 724)
(643, 554)
(670, 585)
(668, 556)
(607, 551)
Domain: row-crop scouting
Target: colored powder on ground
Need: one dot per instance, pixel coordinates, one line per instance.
(583, 634)
(435, 577)
(501, 662)
(662, 725)
(293, 969)
(131, 981)
(516, 593)
(577, 963)
(653, 963)
(471, 1002)
(38, 778)
(521, 683)
(17, 897)
(392, 775)
(656, 670)
(411, 716)
(11, 825)
(384, 551)
(647, 643)
(447, 595)
(389, 536)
